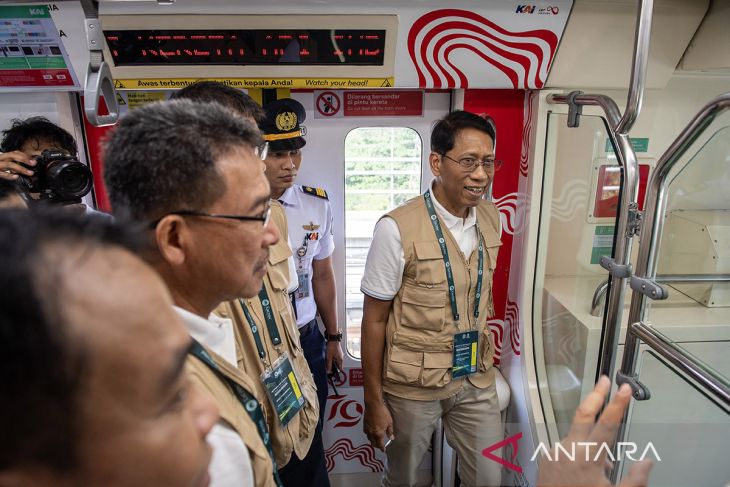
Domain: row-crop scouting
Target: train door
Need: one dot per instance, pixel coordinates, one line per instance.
(679, 370)
(369, 150)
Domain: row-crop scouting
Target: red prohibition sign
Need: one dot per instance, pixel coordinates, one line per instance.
(328, 103)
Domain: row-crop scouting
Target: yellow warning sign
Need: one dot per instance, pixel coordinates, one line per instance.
(139, 98)
(314, 83)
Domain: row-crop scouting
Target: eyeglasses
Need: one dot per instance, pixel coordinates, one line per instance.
(265, 216)
(262, 150)
(471, 163)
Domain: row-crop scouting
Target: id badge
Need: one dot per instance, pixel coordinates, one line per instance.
(283, 388)
(303, 290)
(465, 354)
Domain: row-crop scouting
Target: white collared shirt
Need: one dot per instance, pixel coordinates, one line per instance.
(386, 261)
(303, 210)
(231, 463)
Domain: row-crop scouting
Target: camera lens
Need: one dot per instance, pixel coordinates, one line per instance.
(69, 179)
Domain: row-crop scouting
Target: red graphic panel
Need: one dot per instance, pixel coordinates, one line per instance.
(522, 56)
(507, 109)
(365, 454)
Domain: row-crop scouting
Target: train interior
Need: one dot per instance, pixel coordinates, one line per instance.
(614, 189)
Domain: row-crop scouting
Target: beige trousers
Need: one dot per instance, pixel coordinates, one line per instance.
(472, 422)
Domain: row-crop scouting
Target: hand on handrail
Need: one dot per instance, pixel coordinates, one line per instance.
(588, 470)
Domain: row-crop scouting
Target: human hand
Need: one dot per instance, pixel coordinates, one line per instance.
(11, 165)
(378, 425)
(587, 469)
(334, 353)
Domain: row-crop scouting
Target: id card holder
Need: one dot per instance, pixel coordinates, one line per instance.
(303, 289)
(283, 389)
(465, 354)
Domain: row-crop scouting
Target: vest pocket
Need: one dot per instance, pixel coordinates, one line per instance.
(437, 369)
(430, 268)
(423, 308)
(289, 324)
(404, 366)
(486, 350)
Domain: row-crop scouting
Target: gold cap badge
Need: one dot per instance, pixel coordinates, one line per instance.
(286, 121)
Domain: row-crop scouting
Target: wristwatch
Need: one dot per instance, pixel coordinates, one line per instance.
(337, 337)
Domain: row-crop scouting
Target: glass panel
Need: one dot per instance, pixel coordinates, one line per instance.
(382, 170)
(579, 202)
(696, 241)
(688, 431)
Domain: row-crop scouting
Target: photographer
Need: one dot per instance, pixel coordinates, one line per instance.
(41, 158)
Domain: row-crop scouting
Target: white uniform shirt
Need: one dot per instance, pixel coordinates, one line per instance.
(386, 261)
(231, 464)
(315, 213)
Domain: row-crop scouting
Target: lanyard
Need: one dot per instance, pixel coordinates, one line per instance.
(270, 323)
(447, 264)
(249, 403)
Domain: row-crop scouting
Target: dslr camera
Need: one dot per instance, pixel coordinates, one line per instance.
(58, 178)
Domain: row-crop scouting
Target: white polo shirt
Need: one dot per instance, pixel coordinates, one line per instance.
(231, 464)
(309, 219)
(386, 261)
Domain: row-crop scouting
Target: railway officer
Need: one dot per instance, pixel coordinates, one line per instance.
(309, 215)
(427, 352)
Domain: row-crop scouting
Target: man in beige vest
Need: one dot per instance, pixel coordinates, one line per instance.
(192, 173)
(427, 351)
(261, 354)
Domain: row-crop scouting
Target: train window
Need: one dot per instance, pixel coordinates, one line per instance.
(382, 170)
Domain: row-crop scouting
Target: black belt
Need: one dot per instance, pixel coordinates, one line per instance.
(305, 330)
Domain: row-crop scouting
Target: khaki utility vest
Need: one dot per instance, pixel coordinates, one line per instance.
(299, 432)
(233, 412)
(420, 329)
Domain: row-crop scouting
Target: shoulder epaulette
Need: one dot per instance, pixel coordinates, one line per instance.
(318, 192)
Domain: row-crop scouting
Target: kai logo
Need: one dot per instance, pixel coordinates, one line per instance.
(37, 11)
(525, 9)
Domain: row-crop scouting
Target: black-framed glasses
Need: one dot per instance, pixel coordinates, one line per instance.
(262, 150)
(265, 217)
(471, 163)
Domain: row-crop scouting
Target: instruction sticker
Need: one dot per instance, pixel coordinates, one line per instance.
(602, 243)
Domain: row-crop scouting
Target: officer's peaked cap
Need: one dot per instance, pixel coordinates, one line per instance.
(282, 126)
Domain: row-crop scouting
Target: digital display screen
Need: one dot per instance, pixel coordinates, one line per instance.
(313, 47)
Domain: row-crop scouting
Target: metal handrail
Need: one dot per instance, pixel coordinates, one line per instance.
(613, 114)
(639, 65)
(619, 126)
(682, 360)
(655, 207)
(602, 287)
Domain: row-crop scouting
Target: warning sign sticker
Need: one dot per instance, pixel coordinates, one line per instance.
(368, 103)
(138, 98)
(311, 83)
(328, 104)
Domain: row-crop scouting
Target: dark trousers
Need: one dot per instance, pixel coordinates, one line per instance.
(309, 471)
(314, 347)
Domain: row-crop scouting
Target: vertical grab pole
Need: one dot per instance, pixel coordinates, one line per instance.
(626, 226)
